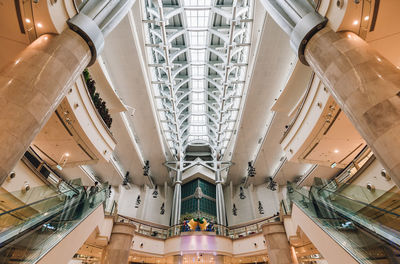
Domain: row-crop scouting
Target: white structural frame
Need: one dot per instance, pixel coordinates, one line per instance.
(197, 100)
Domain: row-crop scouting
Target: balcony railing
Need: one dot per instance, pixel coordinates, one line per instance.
(98, 102)
(164, 232)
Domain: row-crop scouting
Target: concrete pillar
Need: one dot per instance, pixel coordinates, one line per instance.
(120, 244)
(278, 248)
(31, 88)
(366, 86)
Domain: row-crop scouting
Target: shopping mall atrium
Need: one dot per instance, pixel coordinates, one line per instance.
(199, 131)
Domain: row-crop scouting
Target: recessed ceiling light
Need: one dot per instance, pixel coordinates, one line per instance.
(66, 154)
(27, 20)
(366, 18)
(39, 25)
(355, 22)
(336, 151)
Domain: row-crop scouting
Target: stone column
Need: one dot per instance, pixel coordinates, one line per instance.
(278, 248)
(120, 244)
(31, 88)
(367, 88)
(219, 259)
(220, 202)
(363, 83)
(176, 202)
(33, 85)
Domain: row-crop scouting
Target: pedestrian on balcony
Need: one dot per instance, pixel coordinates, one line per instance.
(92, 193)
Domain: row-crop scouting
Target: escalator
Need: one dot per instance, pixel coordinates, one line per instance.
(365, 238)
(30, 231)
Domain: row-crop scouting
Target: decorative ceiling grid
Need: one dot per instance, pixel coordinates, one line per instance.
(198, 53)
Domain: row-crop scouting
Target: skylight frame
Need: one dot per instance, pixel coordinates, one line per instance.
(197, 94)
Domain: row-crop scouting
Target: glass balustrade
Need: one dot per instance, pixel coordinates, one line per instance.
(165, 232)
(29, 236)
(340, 217)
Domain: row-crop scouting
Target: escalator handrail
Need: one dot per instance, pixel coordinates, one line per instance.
(320, 225)
(4, 240)
(360, 202)
(387, 235)
(33, 203)
(74, 226)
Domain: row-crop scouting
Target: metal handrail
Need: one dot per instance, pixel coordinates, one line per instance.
(33, 203)
(175, 230)
(360, 202)
(298, 111)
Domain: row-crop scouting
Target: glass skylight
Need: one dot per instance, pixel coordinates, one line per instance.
(198, 92)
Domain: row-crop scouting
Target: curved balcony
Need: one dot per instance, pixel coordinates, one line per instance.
(165, 232)
(76, 133)
(80, 108)
(320, 133)
(162, 241)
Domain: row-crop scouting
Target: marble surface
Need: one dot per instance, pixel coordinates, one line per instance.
(31, 88)
(120, 244)
(366, 86)
(277, 244)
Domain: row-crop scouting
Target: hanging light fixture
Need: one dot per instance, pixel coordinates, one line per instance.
(162, 209)
(155, 192)
(241, 193)
(146, 168)
(260, 208)
(234, 210)
(251, 171)
(138, 201)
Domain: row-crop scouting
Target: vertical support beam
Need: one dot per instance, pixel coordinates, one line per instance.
(176, 202)
(363, 83)
(366, 86)
(32, 87)
(278, 248)
(220, 202)
(120, 244)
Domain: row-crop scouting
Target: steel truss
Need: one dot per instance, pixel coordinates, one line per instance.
(171, 67)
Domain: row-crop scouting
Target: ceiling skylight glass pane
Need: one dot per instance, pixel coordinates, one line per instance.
(197, 2)
(197, 71)
(198, 55)
(197, 18)
(197, 38)
(190, 96)
(198, 85)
